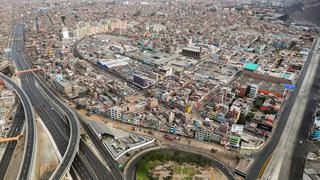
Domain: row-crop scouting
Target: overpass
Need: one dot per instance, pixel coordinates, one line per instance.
(59, 121)
(8, 139)
(28, 166)
(15, 129)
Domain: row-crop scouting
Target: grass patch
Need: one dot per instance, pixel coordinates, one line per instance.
(153, 159)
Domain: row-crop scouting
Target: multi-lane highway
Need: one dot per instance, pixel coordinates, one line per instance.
(28, 164)
(85, 165)
(15, 129)
(284, 138)
(116, 172)
(266, 153)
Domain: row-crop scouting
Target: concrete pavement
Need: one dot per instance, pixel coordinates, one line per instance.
(279, 166)
(28, 165)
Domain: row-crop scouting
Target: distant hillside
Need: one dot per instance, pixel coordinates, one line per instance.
(304, 10)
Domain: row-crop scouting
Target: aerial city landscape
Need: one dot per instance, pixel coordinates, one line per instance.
(159, 89)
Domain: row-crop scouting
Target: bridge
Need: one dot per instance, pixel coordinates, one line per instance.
(8, 139)
(28, 70)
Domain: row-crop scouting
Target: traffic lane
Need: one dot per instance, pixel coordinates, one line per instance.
(101, 171)
(15, 130)
(55, 125)
(29, 150)
(116, 173)
(266, 152)
(97, 166)
(24, 64)
(301, 150)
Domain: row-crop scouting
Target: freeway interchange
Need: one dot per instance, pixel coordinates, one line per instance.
(61, 123)
(27, 168)
(80, 162)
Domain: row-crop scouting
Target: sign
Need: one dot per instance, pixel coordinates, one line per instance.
(290, 86)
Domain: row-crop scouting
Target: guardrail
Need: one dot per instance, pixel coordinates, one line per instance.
(68, 113)
(60, 105)
(26, 103)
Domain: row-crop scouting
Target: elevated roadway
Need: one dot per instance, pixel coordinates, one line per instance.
(116, 172)
(59, 121)
(15, 129)
(28, 165)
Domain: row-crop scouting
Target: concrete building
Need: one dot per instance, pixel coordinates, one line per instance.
(192, 51)
(203, 135)
(114, 113)
(152, 103)
(253, 90)
(140, 80)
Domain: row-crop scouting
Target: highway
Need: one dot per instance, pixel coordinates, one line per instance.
(279, 166)
(116, 172)
(263, 155)
(28, 164)
(15, 129)
(85, 164)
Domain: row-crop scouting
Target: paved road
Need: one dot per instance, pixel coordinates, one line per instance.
(131, 170)
(116, 172)
(301, 150)
(27, 167)
(15, 129)
(279, 166)
(85, 165)
(266, 152)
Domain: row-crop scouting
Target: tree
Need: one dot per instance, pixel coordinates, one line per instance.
(242, 119)
(63, 19)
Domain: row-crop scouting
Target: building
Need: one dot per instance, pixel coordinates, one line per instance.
(315, 134)
(192, 51)
(1, 84)
(203, 135)
(141, 80)
(242, 90)
(65, 33)
(253, 90)
(68, 88)
(221, 117)
(171, 116)
(234, 142)
(152, 103)
(114, 113)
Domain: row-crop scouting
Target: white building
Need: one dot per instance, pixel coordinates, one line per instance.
(254, 90)
(114, 113)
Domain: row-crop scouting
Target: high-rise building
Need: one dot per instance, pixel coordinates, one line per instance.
(114, 113)
(254, 90)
